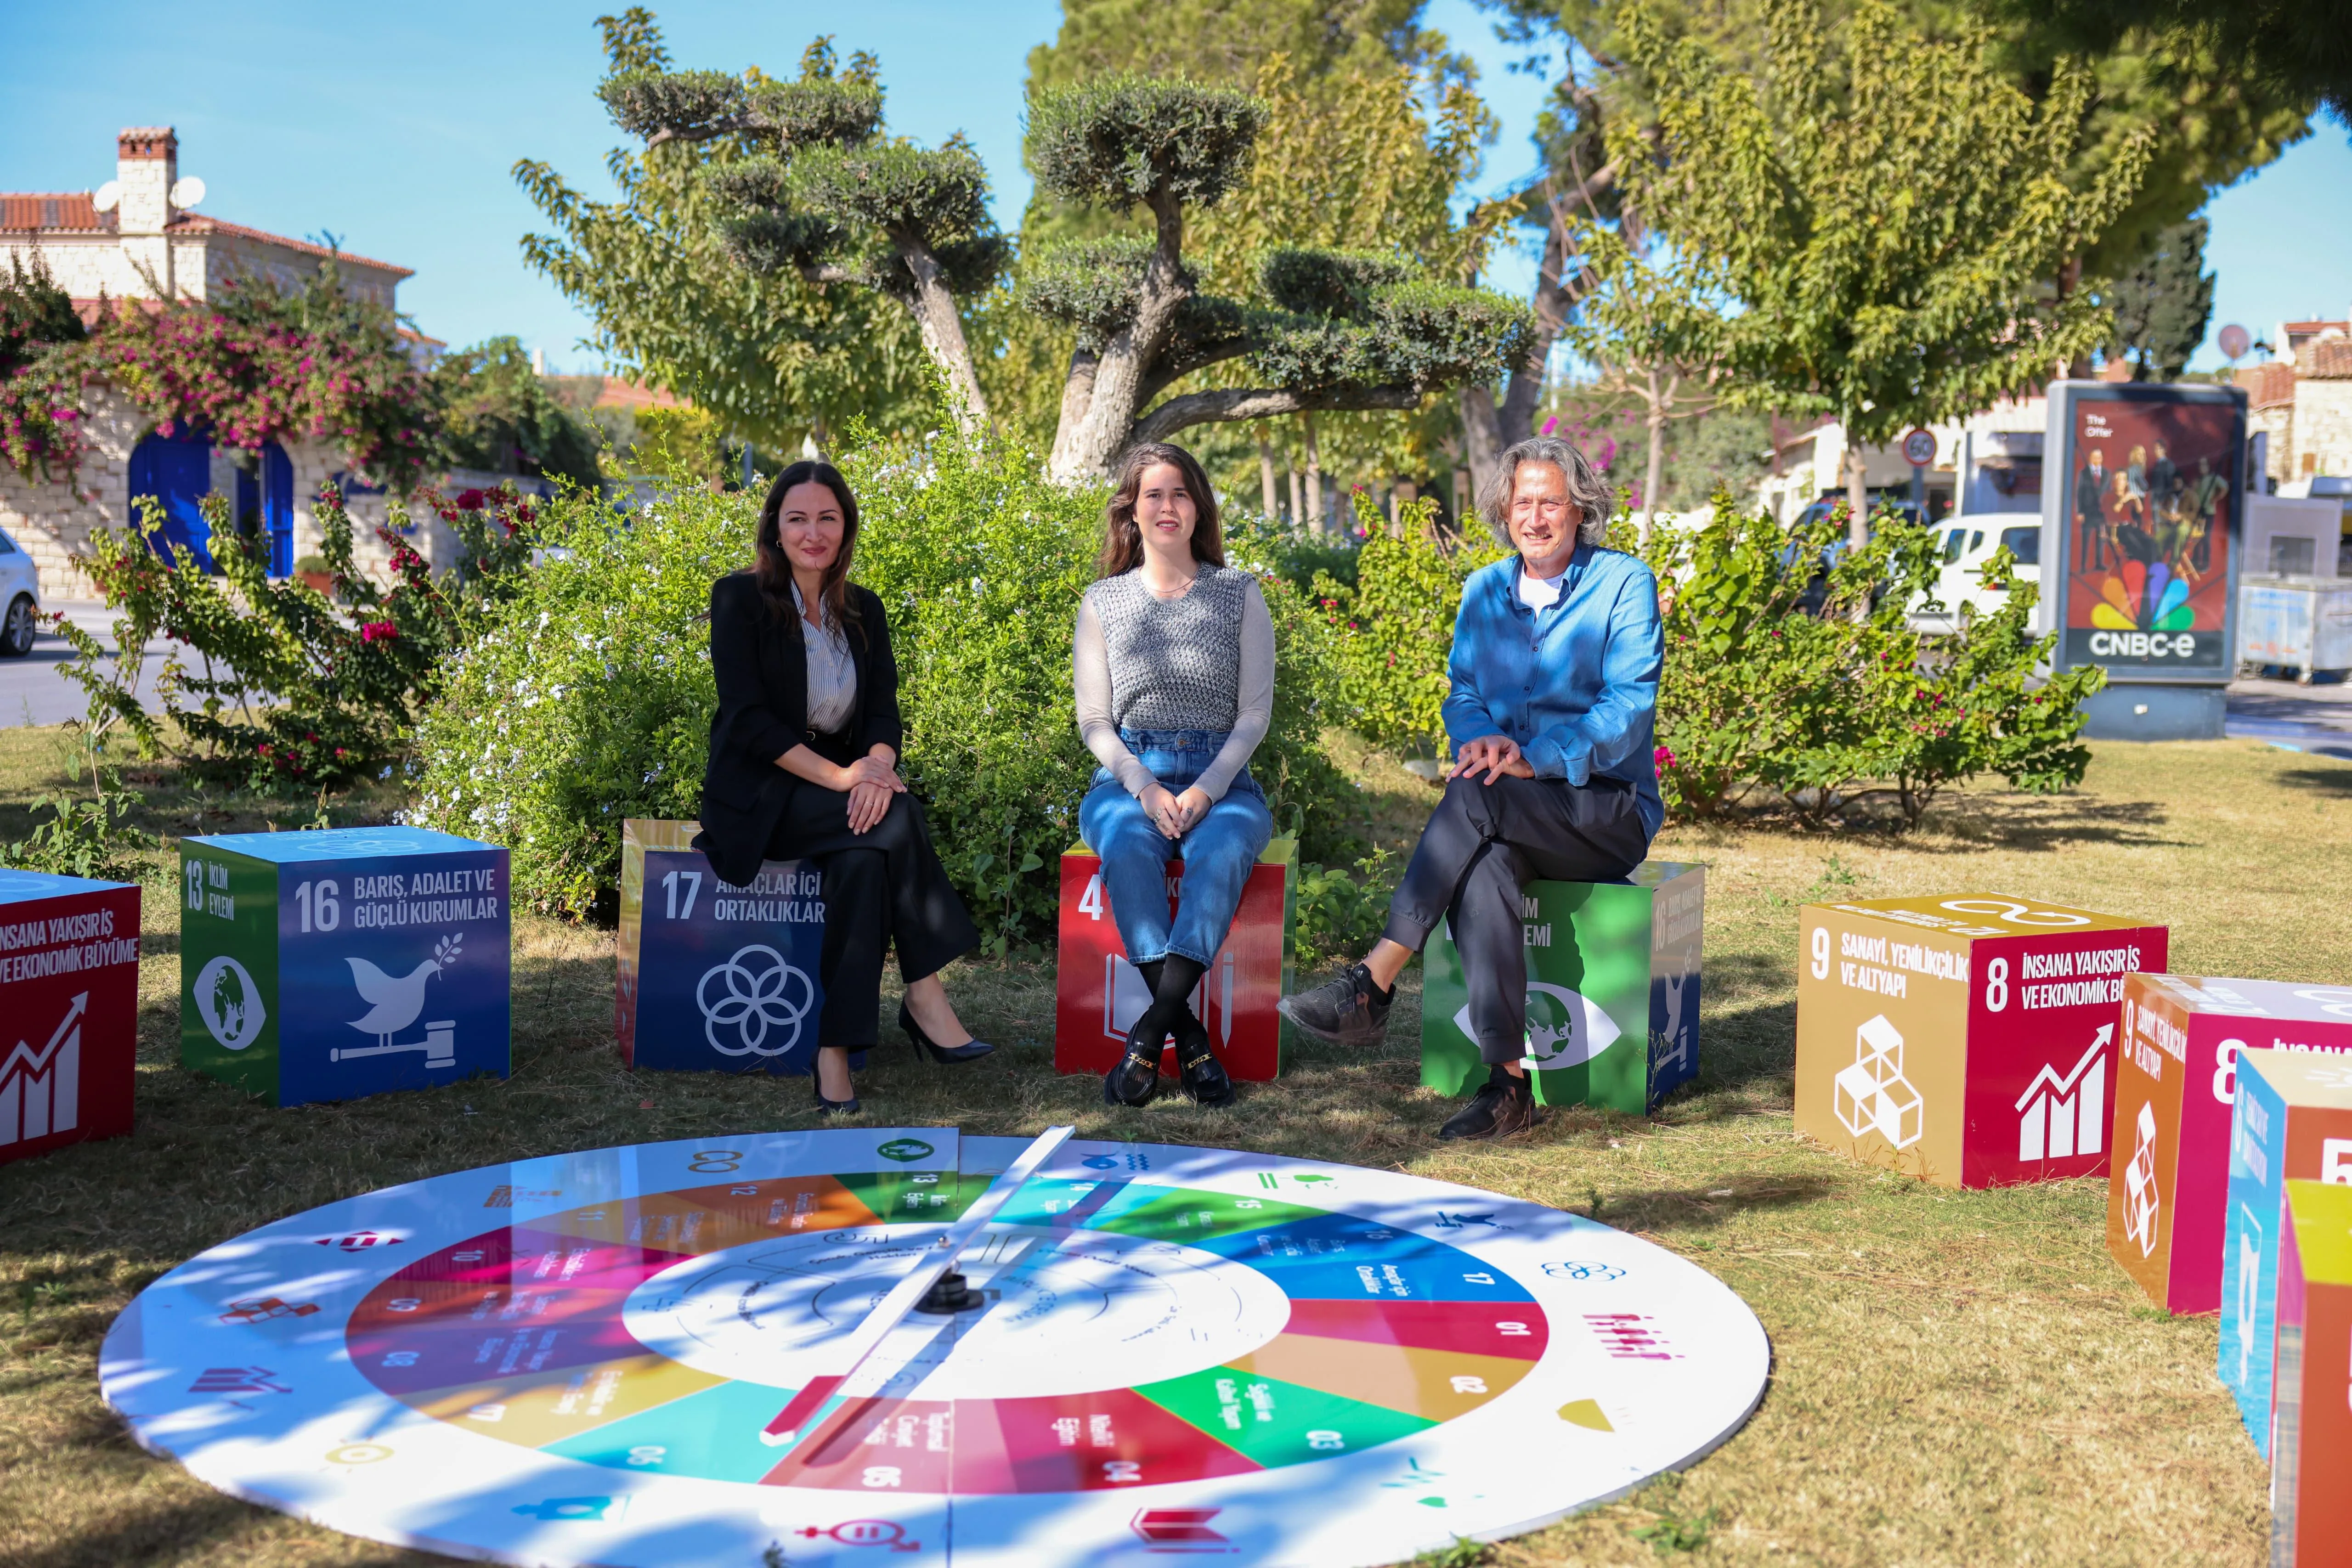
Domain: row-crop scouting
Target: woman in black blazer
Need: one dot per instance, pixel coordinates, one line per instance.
(804, 766)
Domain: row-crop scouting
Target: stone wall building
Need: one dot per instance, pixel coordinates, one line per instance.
(2303, 399)
(135, 237)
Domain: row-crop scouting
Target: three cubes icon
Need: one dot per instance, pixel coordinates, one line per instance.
(1872, 1095)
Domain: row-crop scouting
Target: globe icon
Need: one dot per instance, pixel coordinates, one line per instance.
(228, 1002)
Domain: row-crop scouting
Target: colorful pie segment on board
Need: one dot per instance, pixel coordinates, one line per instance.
(572, 1359)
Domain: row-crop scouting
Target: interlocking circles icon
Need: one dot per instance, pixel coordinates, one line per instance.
(753, 1003)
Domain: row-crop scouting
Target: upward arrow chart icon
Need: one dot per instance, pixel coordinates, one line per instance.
(40, 1092)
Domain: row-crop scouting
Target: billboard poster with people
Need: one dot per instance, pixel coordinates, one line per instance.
(2149, 508)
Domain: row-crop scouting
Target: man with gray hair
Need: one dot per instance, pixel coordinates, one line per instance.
(1555, 689)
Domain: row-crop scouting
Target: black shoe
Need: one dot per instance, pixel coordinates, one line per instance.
(824, 1107)
(1498, 1111)
(1198, 1068)
(971, 1050)
(1349, 1010)
(1136, 1079)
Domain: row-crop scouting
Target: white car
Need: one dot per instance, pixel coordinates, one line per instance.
(1968, 543)
(20, 590)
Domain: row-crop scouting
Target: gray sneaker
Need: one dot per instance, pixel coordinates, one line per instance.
(1349, 1010)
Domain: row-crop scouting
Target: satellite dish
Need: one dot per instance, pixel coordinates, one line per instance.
(2235, 341)
(187, 192)
(107, 196)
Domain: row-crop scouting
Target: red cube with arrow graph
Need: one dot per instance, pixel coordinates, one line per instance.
(69, 993)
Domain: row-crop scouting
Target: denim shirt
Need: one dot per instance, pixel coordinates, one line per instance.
(1576, 684)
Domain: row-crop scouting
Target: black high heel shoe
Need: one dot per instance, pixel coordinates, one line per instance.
(824, 1107)
(1198, 1068)
(1136, 1079)
(946, 1055)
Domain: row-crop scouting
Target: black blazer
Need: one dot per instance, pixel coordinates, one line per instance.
(762, 668)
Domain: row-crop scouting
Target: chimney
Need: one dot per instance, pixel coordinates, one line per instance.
(146, 164)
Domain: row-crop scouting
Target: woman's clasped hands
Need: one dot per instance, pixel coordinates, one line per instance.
(1174, 815)
(870, 781)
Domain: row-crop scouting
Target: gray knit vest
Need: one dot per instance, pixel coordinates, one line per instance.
(1175, 664)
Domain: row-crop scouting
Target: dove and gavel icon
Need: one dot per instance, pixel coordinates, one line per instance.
(396, 1001)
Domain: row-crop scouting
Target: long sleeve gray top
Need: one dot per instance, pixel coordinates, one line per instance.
(1201, 661)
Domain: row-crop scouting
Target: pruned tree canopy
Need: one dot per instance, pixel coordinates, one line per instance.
(826, 194)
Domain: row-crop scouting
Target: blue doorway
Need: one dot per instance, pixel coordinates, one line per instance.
(177, 470)
(265, 505)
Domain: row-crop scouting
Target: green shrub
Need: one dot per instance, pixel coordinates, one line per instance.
(1831, 713)
(588, 698)
(589, 701)
(277, 688)
(1392, 628)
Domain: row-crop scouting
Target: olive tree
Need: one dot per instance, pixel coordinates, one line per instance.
(829, 195)
(833, 197)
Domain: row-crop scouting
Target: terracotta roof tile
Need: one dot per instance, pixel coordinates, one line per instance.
(49, 210)
(191, 225)
(2327, 360)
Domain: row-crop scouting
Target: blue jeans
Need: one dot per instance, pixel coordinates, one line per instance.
(1218, 850)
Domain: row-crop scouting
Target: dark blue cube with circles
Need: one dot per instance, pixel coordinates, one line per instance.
(714, 978)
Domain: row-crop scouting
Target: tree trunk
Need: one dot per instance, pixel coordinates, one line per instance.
(1313, 475)
(1653, 472)
(1857, 502)
(1297, 505)
(1482, 440)
(1109, 427)
(942, 331)
(1078, 396)
(1559, 281)
(1265, 473)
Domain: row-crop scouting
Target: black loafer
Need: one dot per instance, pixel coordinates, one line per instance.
(1136, 1079)
(969, 1051)
(1202, 1075)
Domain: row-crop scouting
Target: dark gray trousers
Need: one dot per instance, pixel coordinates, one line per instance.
(1484, 844)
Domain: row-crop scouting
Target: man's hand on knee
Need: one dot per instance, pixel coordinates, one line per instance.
(1498, 754)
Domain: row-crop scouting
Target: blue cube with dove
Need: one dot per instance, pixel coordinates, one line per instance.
(332, 964)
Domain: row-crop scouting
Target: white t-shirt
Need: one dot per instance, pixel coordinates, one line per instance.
(1540, 594)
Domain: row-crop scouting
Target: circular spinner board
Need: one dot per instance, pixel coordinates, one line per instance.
(571, 1360)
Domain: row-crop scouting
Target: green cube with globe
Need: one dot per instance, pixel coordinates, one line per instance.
(330, 964)
(1613, 992)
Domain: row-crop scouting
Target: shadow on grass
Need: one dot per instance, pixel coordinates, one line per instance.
(1670, 1210)
(158, 1533)
(2333, 782)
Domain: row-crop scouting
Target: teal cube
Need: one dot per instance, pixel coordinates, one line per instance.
(1613, 992)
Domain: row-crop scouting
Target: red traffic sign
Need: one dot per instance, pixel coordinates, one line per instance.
(1919, 448)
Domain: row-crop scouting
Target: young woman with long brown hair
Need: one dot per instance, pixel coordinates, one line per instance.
(1173, 665)
(804, 766)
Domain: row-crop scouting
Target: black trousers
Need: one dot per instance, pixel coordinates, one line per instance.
(880, 887)
(1484, 844)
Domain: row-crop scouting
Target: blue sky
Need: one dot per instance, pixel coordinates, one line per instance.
(394, 129)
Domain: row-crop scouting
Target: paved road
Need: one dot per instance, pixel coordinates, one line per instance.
(32, 691)
(2315, 719)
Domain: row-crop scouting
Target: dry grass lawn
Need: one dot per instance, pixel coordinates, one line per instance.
(1958, 1378)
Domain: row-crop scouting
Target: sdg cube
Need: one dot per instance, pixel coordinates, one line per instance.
(1098, 995)
(2291, 1121)
(70, 993)
(2176, 1079)
(715, 978)
(1613, 992)
(2311, 1508)
(1968, 1040)
(349, 961)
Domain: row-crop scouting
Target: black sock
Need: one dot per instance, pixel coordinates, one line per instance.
(1171, 997)
(1500, 1077)
(1386, 995)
